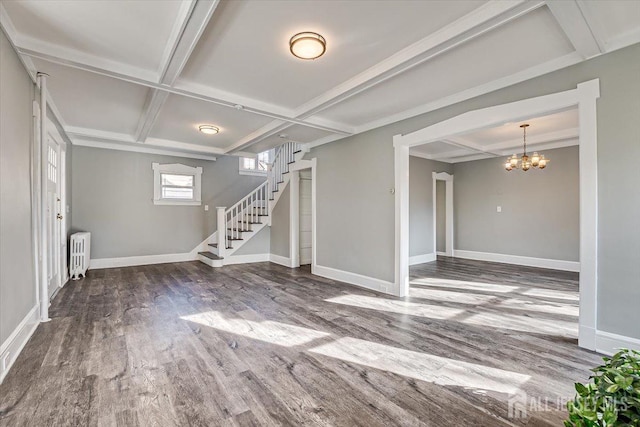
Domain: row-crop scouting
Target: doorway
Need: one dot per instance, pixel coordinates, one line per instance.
(584, 97)
(443, 213)
(306, 217)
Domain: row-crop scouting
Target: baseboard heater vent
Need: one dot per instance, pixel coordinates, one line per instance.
(80, 255)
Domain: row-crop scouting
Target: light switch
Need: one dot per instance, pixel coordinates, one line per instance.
(499, 209)
(206, 207)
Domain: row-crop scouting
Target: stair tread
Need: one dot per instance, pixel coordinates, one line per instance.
(296, 152)
(245, 222)
(210, 255)
(242, 230)
(233, 238)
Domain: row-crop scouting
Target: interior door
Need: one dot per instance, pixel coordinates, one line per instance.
(53, 216)
(305, 217)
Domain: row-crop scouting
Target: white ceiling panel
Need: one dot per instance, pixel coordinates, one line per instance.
(92, 101)
(130, 32)
(516, 46)
(613, 18)
(297, 133)
(245, 48)
(180, 117)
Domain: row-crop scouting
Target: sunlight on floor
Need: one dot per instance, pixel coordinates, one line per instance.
(421, 366)
(267, 330)
(552, 293)
(540, 307)
(487, 317)
(397, 306)
(461, 284)
(450, 296)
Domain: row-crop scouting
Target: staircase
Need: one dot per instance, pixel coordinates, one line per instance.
(253, 212)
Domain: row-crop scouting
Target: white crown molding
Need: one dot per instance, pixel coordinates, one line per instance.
(577, 29)
(139, 148)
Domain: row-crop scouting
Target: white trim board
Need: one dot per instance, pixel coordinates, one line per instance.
(246, 259)
(355, 279)
(421, 259)
(14, 344)
(553, 264)
(608, 343)
(281, 260)
(132, 261)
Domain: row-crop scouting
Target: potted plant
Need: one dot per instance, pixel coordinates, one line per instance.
(612, 398)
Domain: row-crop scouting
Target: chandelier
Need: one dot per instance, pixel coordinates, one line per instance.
(525, 162)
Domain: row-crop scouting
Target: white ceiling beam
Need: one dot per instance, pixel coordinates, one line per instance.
(487, 17)
(77, 134)
(449, 154)
(190, 23)
(132, 78)
(572, 21)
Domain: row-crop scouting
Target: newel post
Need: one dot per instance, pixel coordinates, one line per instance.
(222, 230)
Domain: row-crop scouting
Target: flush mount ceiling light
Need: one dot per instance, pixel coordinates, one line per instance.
(525, 162)
(208, 129)
(307, 45)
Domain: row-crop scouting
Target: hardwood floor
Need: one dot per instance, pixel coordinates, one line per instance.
(261, 344)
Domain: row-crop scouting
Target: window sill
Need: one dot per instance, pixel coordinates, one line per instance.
(252, 173)
(177, 202)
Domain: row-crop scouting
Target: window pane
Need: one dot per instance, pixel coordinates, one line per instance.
(248, 163)
(177, 180)
(177, 193)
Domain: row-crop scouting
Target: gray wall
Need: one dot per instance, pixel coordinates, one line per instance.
(540, 209)
(259, 244)
(441, 216)
(355, 217)
(113, 199)
(280, 225)
(17, 278)
(421, 203)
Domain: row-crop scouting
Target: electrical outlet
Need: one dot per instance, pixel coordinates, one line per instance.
(206, 207)
(499, 209)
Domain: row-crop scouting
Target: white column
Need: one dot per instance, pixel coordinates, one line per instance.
(402, 217)
(222, 231)
(44, 282)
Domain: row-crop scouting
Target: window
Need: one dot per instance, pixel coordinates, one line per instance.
(176, 184)
(256, 165)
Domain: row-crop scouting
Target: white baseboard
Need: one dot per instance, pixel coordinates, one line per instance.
(441, 253)
(421, 259)
(246, 259)
(608, 343)
(554, 264)
(354, 279)
(281, 260)
(11, 348)
(140, 260)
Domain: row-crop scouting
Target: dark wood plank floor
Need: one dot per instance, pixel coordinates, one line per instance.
(260, 344)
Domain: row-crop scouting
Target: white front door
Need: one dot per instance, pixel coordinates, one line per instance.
(305, 217)
(53, 214)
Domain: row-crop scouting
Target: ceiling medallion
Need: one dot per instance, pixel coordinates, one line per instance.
(525, 163)
(209, 129)
(307, 45)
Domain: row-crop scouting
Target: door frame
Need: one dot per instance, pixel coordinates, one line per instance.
(294, 212)
(448, 179)
(584, 97)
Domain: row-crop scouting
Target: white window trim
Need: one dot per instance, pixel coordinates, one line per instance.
(180, 169)
(252, 172)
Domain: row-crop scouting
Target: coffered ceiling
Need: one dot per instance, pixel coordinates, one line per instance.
(144, 74)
